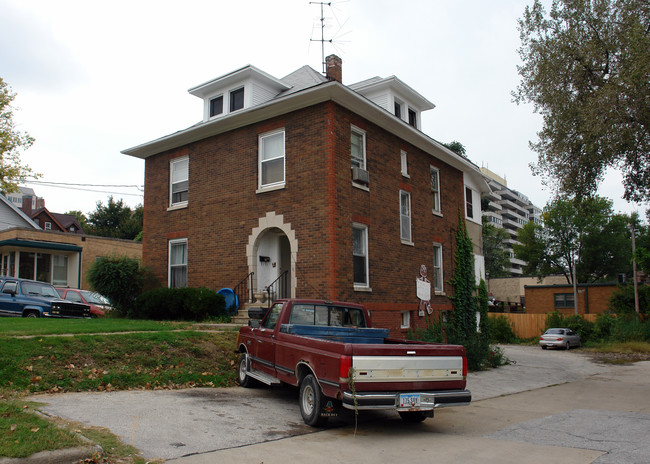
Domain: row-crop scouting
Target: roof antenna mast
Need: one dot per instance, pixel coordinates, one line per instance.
(322, 32)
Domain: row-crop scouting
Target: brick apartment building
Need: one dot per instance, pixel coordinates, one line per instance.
(331, 188)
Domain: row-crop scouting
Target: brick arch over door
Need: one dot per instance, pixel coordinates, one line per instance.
(268, 222)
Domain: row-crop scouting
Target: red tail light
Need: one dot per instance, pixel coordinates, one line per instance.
(464, 366)
(345, 366)
(560, 339)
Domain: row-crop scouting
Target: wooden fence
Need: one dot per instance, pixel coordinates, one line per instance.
(531, 325)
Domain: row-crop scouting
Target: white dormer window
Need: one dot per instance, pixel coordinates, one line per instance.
(236, 99)
(398, 109)
(216, 106)
(48, 226)
(413, 118)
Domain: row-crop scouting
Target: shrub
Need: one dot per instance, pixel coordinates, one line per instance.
(622, 300)
(630, 330)
(579, 325)
(603, 326)
(120, 279)
(185, 304)
(500, 330)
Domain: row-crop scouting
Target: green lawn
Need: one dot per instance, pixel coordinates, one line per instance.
(40, 355)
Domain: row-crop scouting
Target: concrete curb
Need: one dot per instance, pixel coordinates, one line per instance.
(62, 456)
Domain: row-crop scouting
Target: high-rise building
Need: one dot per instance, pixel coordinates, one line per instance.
(510, 210)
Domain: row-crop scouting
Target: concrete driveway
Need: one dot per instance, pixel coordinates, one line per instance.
(588, 413)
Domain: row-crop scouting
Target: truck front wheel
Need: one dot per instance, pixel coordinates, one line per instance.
(311, 402)
(242, 375)
(32, 314)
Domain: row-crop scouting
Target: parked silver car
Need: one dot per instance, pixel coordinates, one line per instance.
(559, 338)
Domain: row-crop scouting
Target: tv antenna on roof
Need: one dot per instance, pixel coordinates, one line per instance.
(322, 39)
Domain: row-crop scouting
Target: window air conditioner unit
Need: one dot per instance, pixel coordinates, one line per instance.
(360, 175)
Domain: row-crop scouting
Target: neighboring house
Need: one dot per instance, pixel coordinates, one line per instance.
(592, 298)
(330, 190)
(59, 258)
(510, 210)
(26, 200)
(56, 221)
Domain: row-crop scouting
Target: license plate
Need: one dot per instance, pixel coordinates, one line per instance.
(409, 400)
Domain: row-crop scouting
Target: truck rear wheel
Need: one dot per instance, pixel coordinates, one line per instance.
(412, 416)
(32, 314)
(242, 376)
(311, 402)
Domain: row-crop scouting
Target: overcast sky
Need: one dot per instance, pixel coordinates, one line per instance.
(94, 77)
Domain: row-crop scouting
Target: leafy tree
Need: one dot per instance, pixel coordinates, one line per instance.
(12, 171)
(580, 233)
(115, 220)
(585, 69)
(118, 278)
(456, 147)
(496, 256)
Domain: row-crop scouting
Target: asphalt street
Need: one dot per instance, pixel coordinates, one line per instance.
(546, 406)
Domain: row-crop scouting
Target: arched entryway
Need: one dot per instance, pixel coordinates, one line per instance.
(271, 252)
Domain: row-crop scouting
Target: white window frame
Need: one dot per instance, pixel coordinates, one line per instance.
(405, 218)
(438, 283)
(169, 260)
(231, 100)
(261, 160)
(172, 169)
(361, 286)
(362, 133)
(404, 164)
(405, 320)
(223, 106)
(471, 203)
(436, 208)
(47, 225)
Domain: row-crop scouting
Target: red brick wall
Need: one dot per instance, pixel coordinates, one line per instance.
(592, 299)
(320, 203)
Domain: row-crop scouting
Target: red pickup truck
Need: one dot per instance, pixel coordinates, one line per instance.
(328, 349)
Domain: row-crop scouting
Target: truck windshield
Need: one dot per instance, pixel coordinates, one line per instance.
(35, 288)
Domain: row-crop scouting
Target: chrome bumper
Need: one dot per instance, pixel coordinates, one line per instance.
(390, 400)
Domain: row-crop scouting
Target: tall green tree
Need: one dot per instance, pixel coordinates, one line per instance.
(496, 256)
(12, 141)
(585, 69)
(456, 147)
(115, 220)
(583, 234)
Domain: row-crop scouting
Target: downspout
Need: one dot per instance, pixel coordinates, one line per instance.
(586, 299)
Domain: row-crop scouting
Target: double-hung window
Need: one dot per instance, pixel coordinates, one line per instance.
(438, 286)
(358, 148)
(405, 215)
(404, 164)
(271, 159)
(469, 203)
(413, 118)
(178, 263)
(236, 99)
(360, 255)
(216, 106)
(435, 189)
(179, 180)
(564, 300)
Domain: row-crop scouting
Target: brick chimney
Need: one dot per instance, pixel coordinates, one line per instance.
(334, 68)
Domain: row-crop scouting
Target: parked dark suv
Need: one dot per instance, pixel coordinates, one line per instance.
(29, 298)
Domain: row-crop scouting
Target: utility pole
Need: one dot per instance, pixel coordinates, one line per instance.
(636, 285)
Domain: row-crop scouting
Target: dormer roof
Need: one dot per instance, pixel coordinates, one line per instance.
(383, 84)
(242, 74)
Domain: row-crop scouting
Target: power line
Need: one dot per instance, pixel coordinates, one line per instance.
(139, 187)
(67, 187)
